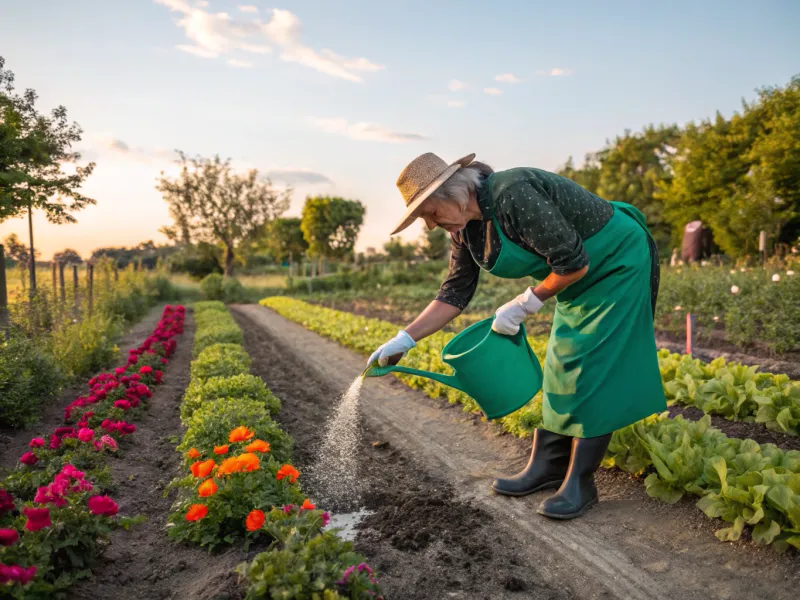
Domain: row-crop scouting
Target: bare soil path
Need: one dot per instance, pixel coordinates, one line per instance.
(440, 461)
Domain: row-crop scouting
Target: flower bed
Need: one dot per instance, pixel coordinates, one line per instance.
(739, 481)
(55, 511)
(240, 486)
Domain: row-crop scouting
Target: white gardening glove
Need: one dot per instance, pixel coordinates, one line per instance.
(509, 316)
(399, 344)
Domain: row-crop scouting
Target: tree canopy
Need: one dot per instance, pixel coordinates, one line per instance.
(209, 202)
(331, 225)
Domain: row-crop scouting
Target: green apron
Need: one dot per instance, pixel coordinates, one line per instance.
(601, 368)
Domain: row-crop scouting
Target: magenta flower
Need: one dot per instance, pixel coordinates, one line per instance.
(103, 505)
(8, 537)
(85, 434)
(119, 371)
(346, 575)
(72, 472)
(108, 442)
(123, 404)
(16, 573)
(6, 501)
(146, 370)
(326, 518)
(36, 443)
(38, 518)
(288, 508)
(29, 458)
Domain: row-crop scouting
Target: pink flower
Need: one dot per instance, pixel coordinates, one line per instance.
(346, 575)
(17, 573)
(103, 505)
(109, 442)
(143, 390)
(38, 518)
(8, 537)
(6, 501)
(288, 508)
(128, 428)
(326, 518)
(85, 434)
(119, 371)
(146, 370)
(123, 404)
(62, 431)
(55, 442)
(72, 472)
(135, 377)
(159, 376)
(164, 361)
(29, 458)
(36, 443)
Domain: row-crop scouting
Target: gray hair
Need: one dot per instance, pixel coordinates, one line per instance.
(462, 184)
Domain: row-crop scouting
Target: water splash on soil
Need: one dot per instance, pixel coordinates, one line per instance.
(334, 476)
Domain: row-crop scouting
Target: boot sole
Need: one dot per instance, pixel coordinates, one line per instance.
(553, 485)
(566, 517)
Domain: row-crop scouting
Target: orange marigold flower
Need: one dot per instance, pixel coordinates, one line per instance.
(221, 449)
(228, 466)
(207, 488)
(255, 520)
(258, 446)
(203, 468)
(194, 453)
(196, 512)
(249, 462)
(287, 471)
(307, 505)
(240, 434)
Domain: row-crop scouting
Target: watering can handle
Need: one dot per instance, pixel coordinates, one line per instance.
(448, 380)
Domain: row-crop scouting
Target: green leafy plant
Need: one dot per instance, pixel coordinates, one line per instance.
(243, 387)
(211, 287)
(220, 360)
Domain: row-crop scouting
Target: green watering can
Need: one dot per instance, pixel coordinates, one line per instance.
(500, 372)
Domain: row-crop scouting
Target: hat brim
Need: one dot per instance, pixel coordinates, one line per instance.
(412, 211)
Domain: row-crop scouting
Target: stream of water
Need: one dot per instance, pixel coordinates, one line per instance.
(335, 473)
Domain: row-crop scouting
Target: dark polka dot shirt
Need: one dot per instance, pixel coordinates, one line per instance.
(541, 212)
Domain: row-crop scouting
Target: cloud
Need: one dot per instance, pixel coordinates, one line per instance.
(492, 91)
(364, 131)
(118, 147)
(218, 34)
(456, 103)
(298, 176)
(239, 64)
(456, 85)
(507, 78)
(555, 72)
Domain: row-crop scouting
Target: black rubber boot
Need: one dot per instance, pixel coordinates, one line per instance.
(546, 468)
(578, 493)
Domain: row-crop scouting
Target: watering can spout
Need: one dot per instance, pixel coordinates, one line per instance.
(448, 380)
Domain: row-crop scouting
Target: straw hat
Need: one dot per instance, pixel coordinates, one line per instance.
(421, 177)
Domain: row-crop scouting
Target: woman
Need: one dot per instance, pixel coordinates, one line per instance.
(599, 262)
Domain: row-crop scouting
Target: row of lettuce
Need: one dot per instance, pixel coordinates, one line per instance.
(240, 486)
(56, 512)
(739, 481)
(49, 343)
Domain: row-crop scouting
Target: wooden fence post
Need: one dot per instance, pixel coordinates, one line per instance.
(116, 272)
(76, 287)
(55, 280)
(61, 283)
(90, 285)
(3, 291)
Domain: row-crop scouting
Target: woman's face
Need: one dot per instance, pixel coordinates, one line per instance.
(446, 214)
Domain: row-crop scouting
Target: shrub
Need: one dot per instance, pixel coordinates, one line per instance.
(211, 287)
(211, 423)
(208, 305)
(244, 387)
(28, 378)
(232, 290)
(217, 334)
(220, 360)
(325, 567)
(87, 346)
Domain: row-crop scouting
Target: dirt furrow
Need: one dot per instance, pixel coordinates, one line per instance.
(629, 546)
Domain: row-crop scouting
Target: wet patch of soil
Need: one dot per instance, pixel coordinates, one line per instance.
(423, 542)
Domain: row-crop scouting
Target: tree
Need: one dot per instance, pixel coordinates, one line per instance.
(284, 237)
(210, 203)
(67, 256)
(34, 148)
(397, 250)
(19, 253)
(434, 243)
(331, 225)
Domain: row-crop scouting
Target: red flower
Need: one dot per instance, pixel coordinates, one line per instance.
(62, 431)
(103, 505)
(17, 573)
(119, 371)
(29, 458)
(146, 370)
(8, 537)
(255, 520)
(55, 442)
(36, 443)
(143, 390)
(128, 428)
(6, 501)
(164, 361)
(85, 434)
(123, 404)
(38, 518)
(307, 505)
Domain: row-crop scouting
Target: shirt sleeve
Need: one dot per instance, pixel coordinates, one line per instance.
(530, 212)
(462, 279)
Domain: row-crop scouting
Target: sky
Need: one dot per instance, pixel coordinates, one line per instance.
(335, 97)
